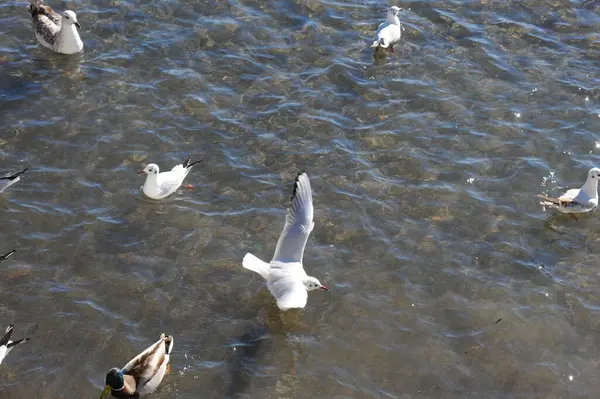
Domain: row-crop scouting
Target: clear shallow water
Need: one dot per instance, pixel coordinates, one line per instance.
(424, 169)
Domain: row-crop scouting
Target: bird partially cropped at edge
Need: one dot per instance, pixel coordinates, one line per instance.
(285, 275)
(7, 181)
(8, 255)
(57, 33)
(142, 374)
(577, 200)
(160, 185)
(6, 345)
(389, 31)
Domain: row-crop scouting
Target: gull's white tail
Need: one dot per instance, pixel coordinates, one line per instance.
(251, 262)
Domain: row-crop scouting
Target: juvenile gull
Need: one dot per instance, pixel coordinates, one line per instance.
(388, 32)
(285, 275)
(7, 181)
(577, 200)
(6, 345)
(161, 185)
(53, 31)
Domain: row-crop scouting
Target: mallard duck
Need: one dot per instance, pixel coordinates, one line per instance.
(6, 345)
(160, 185)
(143, 374)
(577, 200)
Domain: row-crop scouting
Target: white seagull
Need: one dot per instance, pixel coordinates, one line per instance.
(53, 31)
(160, 185)
(8, 255)
(577, 200)
(6, 345)
(285, 275)
(389, 31)
(7, 181)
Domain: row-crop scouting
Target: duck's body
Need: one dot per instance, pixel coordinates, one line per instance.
(142, 374)
(389, 31)
(160, 185)
(6, 345)
(577, 200)
(57, 33)
(7, 181)
(286, 279)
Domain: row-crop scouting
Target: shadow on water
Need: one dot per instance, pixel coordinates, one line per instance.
(247, 351)
(263, 346)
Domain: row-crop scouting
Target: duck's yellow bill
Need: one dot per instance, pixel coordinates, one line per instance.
(105, 392)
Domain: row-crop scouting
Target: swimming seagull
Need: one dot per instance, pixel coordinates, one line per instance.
(577, 200)
(6, 345)
(8, 255)
(285, 275)
(388, 32)
(161, 185)
(7, 181)
(53, 31)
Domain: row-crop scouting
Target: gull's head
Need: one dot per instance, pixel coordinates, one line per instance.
(394, 11)
(70, 18)
(151, 169)
(594, 173)
(114, 380)
(312, 283)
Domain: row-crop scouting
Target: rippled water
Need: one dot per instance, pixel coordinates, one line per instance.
(447, 278)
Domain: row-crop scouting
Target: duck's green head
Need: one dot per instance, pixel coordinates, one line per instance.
(114, 380)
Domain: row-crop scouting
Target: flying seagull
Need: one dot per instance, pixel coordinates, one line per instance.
(285, 275)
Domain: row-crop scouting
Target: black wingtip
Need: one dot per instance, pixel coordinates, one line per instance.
(188, 162)
(7, 334)
(17, 342)
(296, 184)
(8, 255)
(15, 175)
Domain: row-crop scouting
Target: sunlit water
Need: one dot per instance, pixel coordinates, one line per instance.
(447, 278)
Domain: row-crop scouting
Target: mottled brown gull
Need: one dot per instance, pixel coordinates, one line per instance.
(57, 33)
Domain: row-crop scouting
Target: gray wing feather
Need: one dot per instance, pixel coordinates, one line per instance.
(298, 223)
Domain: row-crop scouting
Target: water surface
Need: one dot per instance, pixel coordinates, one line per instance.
(447, 278)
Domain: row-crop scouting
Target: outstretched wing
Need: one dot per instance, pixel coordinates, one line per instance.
(298, 223)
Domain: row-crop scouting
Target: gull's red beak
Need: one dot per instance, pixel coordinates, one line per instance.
(324, 288)
(141, 172)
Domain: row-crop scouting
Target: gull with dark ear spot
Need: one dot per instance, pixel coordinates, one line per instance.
(57, 33)
(6, 345)
(7, 181)
(160, 185)
(143, 374)
(577, 200)
(389, 31)
(285, 275)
